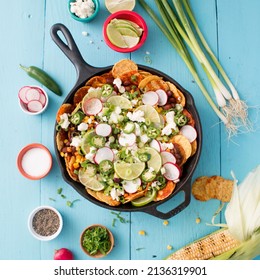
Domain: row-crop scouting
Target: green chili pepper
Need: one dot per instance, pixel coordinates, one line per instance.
(42, 77)
(144, 157)
(77, 117)
(106, 90)
(180, 119)
(152, 132)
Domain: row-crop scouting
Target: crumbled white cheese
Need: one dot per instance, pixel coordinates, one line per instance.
(167, 130)
(90, 155)
(144, 138)
(115, 115)
(118, 83)
(64, 121)
(89, 121)
(134, 102)
(163, 170)
(82, 8)
(137, 116)
(83, 126)
(76, 141)
(116, 193)
(166, 146)
(84, 33)
(104, 119)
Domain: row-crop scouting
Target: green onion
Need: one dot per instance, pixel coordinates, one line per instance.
(178, 29)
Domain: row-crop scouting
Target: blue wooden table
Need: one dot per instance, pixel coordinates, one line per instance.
(231, 28)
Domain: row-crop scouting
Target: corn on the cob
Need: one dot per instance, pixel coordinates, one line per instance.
(208, 247)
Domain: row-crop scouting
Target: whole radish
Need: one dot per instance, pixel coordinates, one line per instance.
(63, 254)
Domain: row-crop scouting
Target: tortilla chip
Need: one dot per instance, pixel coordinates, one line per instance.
(93, 193)
(123, 66)
(96, 81)
(177, 94)
(64, 108)
(194, 146)
(79, 94)
(132, 76)
(133, 196)
(107, 199)
(184, 143)
(61, 136)
(191, 120)
(199, 189)
(214, 187)
(155, 85)
(166, 191)
(147, 80)
(69, 160)
(144, 74)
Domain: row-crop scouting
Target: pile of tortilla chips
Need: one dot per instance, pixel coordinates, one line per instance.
(143, 82)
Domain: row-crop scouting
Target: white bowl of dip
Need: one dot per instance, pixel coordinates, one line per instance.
(34, 161)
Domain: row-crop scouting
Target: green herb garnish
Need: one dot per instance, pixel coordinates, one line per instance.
(119, 217)
(52, 199)
(59, 190)
(96, 240)
(70, 203)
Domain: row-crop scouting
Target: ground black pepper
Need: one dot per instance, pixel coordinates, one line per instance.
(45, 222)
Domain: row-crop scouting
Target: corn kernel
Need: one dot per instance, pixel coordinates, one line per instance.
(76, 165)
(78, 158)
(62, 154)
(66, 141)
(169, 247)
(165, 223)
(92, 117)
(198, 220)
(142, 232)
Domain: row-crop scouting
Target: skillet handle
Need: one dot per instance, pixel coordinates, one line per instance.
(71, 50)
(187, 196)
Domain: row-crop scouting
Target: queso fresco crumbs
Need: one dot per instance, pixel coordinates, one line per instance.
(126, 136)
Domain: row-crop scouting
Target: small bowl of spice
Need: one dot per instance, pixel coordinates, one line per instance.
(45, 223)
(97, 241)
(83, 10)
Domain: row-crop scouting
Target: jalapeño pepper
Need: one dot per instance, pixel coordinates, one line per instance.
(106, 90)
(152, 132)
(77, 117)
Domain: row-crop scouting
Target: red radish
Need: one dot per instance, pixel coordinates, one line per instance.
(92, 106)
(104, 153)
(127, 139)
(167, 157)
(172, 171)
(132, 186)
(189, 132)
(63, 254)
(156, 145)
(163, 97)
(34, 106)
(32, 94)
(22, 94)
(42, 99)
(103, 129)
(150, 98)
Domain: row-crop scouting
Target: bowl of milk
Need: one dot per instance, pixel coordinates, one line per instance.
(34, 161)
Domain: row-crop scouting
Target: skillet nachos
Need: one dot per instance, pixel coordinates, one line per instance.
(126, 136)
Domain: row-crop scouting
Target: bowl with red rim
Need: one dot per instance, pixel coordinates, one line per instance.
(33, 100)
(34, 161)
(129, 16)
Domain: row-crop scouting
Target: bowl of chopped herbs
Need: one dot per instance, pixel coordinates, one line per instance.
(97, 241)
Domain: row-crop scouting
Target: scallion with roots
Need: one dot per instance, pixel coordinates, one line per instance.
(177, 27)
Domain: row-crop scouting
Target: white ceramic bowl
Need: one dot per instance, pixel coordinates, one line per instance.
(24, 108)
(34, 233)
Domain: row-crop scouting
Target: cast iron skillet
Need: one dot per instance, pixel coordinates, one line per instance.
(84, 73)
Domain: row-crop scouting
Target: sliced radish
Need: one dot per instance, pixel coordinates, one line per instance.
(32, 94)
(104, 153)
(22, 94)
(163, 97)
(42, 99)
(127, 139)
(150, 98)
(167, 157)
(103, 129)
(34, 106)
(92, 106)
(132, 186)
(189, 132)
(172, 171)
(156, 145)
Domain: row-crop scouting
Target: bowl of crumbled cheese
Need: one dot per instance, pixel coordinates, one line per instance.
(83, 10)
